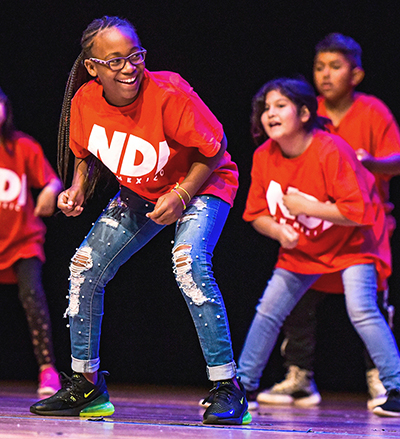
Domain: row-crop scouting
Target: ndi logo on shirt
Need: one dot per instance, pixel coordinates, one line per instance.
(128, 156)
(13, 190)
(309, 225)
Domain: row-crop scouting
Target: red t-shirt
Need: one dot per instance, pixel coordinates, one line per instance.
(327, 171)
(21, 233)
(151, 144)
(368, 124)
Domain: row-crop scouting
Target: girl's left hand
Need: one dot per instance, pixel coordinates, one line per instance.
(295, 203)
(167, 209)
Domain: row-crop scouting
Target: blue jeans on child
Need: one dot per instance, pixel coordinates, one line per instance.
(285, 289)
(120, 231)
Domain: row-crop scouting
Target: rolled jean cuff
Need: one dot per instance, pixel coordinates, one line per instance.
(85, 366)
(224, 372)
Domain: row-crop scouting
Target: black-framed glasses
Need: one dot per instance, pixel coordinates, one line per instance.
(116, 64)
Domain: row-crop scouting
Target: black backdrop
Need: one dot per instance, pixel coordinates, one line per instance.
(226, 50)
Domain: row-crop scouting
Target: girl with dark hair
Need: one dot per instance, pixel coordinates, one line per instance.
(168, 152)
(23, 166)
(310, 193)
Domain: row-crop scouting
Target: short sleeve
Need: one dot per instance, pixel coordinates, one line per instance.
(188, 120)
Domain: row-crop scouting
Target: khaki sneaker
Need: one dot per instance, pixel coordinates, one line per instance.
(298, 388)
(375, 388)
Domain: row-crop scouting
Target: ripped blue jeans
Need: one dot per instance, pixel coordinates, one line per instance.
(120, 231)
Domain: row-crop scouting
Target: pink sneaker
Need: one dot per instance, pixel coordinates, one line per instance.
(49, 382)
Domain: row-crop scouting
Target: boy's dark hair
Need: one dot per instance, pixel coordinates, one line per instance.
(7, 130)
(77, 77)
(336, 42)
(299, 91)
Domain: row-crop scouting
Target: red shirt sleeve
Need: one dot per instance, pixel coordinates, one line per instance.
(188, 120)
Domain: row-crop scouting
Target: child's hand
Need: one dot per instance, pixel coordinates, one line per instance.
(70, 201)
(295, 203)
(288, 238)
(46, 202)
(365, 157)
(167, 209)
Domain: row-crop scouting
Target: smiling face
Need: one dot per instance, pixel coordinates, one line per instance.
(281, 119)
(120, 88)
(334, 76)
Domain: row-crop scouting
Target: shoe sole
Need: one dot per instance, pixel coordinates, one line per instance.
(47, 391)
(372, 403)
(267, 398)
(98, 407)
(385, 413)
(252, 405)
(213, 419)
(308, 401)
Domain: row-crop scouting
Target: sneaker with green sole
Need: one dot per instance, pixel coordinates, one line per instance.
(228, 405)
(77, 397)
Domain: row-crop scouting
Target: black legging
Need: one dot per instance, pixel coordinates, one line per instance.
(33, 299)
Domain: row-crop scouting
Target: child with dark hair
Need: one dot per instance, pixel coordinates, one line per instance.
(310, 193)
(23, 166)
(369, 127)
(168, 152)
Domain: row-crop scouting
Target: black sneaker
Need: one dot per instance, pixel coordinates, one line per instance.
(228, 405)
(77, 397)
(251, 397)
(391, 408)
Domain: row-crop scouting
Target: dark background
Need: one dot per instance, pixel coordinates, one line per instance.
(226, 50)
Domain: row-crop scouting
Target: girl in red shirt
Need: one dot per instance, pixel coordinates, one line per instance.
(168, 152)
(310, 193)
(23, 166)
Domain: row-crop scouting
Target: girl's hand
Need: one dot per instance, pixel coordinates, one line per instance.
(45, 203)
(167, 210)
(288, 237)
(295, 203)
(70, 201)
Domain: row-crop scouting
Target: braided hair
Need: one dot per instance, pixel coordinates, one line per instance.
(77, 77)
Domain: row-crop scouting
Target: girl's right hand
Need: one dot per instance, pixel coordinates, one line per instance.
(288, 238)
(71, 200)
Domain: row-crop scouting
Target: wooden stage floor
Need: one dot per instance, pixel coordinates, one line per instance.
(161, 412)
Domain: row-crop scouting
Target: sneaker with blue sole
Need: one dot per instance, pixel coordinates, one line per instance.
(228, 405)
(77, 397)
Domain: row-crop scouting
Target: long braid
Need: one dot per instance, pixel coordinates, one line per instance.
(73, 84)
(77, 77)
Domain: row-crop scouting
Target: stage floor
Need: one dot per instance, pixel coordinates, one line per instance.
(172, 412)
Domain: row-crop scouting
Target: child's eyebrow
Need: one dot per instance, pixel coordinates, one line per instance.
(119, 54)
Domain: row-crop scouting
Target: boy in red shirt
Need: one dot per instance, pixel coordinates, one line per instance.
(369, 127)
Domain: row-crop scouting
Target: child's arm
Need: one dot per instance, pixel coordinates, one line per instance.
(285, 234)
(169, 207)
(46, 200)
(381, 165)
(70, 201)
(297, 204)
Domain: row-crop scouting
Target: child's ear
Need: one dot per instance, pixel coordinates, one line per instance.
(90, 67)
(304, 114)
(357, 75)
